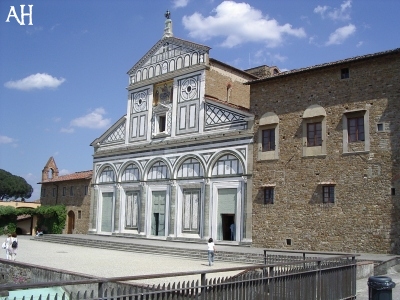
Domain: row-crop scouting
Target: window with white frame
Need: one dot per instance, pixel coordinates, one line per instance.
(227, 165)
(356, 131)
(268, 137)
(131, 173)
(107, 175)
(158, 170)
(190, 168)
(314, 131)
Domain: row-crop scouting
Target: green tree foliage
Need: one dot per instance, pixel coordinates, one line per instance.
(50, 218)
(12, 186)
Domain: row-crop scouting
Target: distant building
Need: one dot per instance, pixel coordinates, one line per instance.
(178, 164)
(72, 190)
(25, 223)
(326, 158)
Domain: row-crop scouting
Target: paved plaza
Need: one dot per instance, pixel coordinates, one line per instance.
(113, 263)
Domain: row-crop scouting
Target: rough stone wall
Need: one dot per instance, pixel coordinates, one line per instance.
(78, 202)
(365, 215)
(221, 84)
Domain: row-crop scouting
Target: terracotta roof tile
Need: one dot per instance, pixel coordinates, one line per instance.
(73, 176)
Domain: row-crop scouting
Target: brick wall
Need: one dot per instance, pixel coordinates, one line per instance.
(365, 215)
(227, 86)
(78, 202)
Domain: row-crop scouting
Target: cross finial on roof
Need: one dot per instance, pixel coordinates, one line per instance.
(167, 14)
(168, 25)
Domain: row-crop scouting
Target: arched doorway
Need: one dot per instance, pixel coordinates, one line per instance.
(71, 222)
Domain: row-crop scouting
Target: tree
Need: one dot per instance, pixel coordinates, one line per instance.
(12, 186)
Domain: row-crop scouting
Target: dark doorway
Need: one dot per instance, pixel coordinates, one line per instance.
(227, 220)
(156, 223)
(71, 222)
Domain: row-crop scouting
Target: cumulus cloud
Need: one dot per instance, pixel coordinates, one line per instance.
(67, 130)
(341, 34)
(239, 23)
(36, 81)
(342, 13)
(93, 120)
(180, 3)
(6, 140)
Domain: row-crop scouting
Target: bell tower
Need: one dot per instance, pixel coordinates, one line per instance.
(50, 170)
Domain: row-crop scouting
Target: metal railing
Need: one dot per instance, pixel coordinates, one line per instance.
(320, 279)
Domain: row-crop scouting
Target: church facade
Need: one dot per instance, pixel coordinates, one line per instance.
(177, 165)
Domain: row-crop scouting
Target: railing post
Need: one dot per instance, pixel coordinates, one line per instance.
(203, 282)
(354, 277)
(318, 281)
(271, 286)
(100, 290)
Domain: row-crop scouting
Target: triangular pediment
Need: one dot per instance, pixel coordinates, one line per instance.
(114, 135)
(167, 55)
(218, 114)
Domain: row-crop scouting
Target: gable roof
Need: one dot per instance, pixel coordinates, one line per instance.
(73, 176)
(325, 65)
(163, 41)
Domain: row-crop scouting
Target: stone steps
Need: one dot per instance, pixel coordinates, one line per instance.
(250, 258)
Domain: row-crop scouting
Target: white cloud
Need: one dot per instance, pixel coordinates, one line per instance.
(359, 44)
(67, 130)
(340, 35)
(93, 120)
(180, 3)
(63, 172)
(239, 23)
(6, 140)
(36, 81)
(342, 13)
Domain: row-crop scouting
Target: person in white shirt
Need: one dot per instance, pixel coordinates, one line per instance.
(13, 250)
(211, 251)
(8, 245)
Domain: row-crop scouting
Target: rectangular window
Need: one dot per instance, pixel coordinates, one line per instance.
(328, 194)
(355, 128)
(314, 134)
(344, 73)
(54, 192)
(86, 189)
(43, 192)
(64, 191)
(268, 140)
(71, 191)
(79, 214)
(161, 123)
(269, 195)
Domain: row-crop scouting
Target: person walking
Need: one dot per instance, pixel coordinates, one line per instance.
(232, 228)
(8, 244)
(13, 247)
(211, 251)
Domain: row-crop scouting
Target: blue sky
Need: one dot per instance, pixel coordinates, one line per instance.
(63, 79)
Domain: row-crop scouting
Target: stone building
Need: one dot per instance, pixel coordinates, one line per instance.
(326, 170)
(177, 165)
(71, 190)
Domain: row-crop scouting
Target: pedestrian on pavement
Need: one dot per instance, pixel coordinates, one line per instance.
(211, 251)
(7, 246)
(13, 246)
(232, 228)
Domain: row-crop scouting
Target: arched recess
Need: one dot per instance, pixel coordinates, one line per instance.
(227, 163)
(189, 167)
(106, 174)
(138, 76)
(71, 222)
(158, 170)
(130, 172)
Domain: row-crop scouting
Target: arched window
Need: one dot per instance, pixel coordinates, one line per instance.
(227, 165)
(190, 168)
(107, 175)
(159, 170)
(131, 173)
